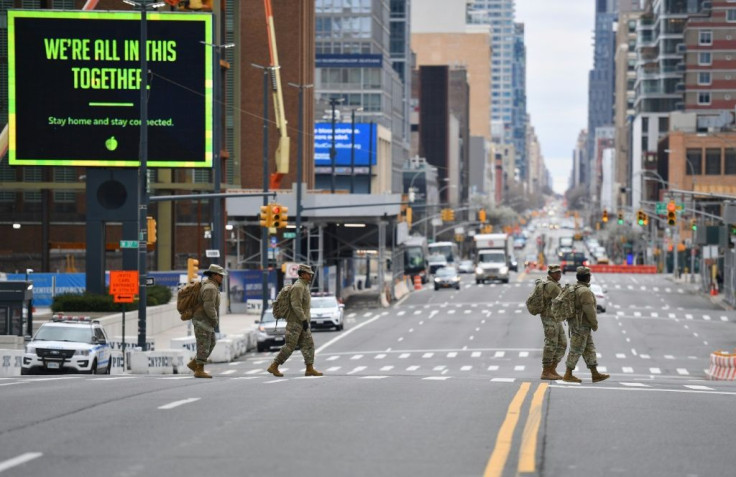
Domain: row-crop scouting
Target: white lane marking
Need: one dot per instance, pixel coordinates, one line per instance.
(636, 385)
(620, 356)
(523, 354)
(115, 378)
(450, 312)
(411, 330)
(672, 315)
(333, 358)
(682, 371)
(274, 381)
(706, 317)
(493, 367)
(343, 334)
(373, 377)
(401, 313)
(387, 368)
(21, 459)
(451, 354)
(633, 351)
(380, 356)
(418, 312)
(357, 370)
(357, 356)
(438, 368)
(654, 314)
(724, 318)
(602, 369)
(56, 379)
(644, 356)
(475, 354)
(333, 369)
(176, 377)
(427, 355)
(698, 387)
(400, 339)
(466, 368)
(229, 371)
(174, 404)
(520, 367)
(688, 317)
(627, 369)
(503, 380)
(16, 382)
(499, 354)
(637, 314)
(669, 356)
(412, 368)
(612, 388)
(254, 371)
(436, 378)
(655, 370)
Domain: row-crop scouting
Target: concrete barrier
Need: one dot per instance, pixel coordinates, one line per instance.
(116, 359)
(722, 366)
(12, 342)
(187, 342)
(594, 268)
(116, 343)
(11, 360)
(223, 352)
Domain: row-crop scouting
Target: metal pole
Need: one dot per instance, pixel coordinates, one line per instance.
(143, 183)
(370, 158)
(352, 151)
(264, 230)
(299, 174)
(333, 152)
(217, 225)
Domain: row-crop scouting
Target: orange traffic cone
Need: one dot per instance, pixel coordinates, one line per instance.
(417, 282)
(713, 290)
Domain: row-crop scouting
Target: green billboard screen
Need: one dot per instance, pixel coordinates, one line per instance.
(74, 88)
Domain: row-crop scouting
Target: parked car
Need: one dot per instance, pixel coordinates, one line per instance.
(447, 277)
(530, 261)
(326, 312)
(68, 345)
(270, 334)
(600, 297)
(466, 266)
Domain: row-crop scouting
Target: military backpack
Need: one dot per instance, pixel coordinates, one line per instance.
(535, 300)
(282, 303)
(563, 305)
(187, 300)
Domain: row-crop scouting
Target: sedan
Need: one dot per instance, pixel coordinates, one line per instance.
(600, 297)
(447, 277)
(270, 333)
(466, 266)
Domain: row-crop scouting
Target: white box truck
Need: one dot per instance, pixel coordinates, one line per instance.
(493, 257)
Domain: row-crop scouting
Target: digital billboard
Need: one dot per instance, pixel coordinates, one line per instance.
(364, 154)
(74, 80)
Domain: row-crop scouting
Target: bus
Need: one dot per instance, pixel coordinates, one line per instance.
(447, 249)
(415, 258)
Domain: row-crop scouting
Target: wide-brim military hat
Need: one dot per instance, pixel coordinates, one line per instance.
(554, 269)
(215, 269)
(305, 269)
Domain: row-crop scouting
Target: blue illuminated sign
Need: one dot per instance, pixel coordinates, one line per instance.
(343, 144)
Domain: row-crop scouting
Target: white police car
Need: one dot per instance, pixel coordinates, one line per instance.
(68, 345)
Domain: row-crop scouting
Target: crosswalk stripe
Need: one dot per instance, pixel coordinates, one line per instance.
(706, 317)
(724, 318)
(519, 367)
(387, 368)
(333, 358)
(644, 356)
(466, 368)
(636, 385)
(412, 368)
(493, 367)
(436, 378)
(669, 356)
(627, 369)
(333, 369)
(404, 355)
(499, 354)
(380, 356)
(682, 372)
(452, 354)
(427, 355)
(503, 380)
(475, 354)
(357, 356)
(439, 368)
(655, 370)
(620, 356)
(357, 370)
(523, 354)
(698, 387)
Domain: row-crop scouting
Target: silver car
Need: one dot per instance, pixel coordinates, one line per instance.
(270, 334)
(326, 312)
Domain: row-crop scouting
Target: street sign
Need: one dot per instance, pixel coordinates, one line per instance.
(289, 235)
(212, 253)
(128, 244)
(150, 281)
(123, 299)
(661, 207)
(123, 282)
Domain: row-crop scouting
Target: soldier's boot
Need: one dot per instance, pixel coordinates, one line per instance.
(570, 378)
(547, 373)
(199, 372)
(192, 364)
(274, 369)
(553, 370)
(598, 377)
(311, 371)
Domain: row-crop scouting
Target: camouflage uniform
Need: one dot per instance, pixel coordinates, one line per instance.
(299, 313)
(555, 341)
(581, 338)
(206, 319)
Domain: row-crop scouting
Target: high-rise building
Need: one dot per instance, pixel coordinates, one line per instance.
(519, 118)
(355, 64)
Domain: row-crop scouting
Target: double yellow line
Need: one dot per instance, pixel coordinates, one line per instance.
(505, 437)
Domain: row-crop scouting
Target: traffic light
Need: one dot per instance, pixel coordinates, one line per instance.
(279, 216)
(605, 215)
(151, 230)
(450, 215)
(694, 225)
(620, 218)
(671, 213)
(266, 217)
(482, 215)
(640, 217)
(408, 216)
(192, 269)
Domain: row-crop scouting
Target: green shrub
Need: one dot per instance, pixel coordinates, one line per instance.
(89, 302)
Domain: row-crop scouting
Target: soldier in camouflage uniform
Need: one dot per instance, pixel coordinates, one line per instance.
(555, 342)
(581, 338)
(297, 325)
(206, 318)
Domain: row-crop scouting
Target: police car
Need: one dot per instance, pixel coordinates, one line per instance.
(68, 345)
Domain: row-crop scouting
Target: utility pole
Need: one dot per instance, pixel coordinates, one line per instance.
(264, 230)
(299, 172)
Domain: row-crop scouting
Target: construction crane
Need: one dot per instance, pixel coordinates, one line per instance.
(282, 151)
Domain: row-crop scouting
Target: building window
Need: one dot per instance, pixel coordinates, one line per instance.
(704, 97)
(704, 78)
(731, 15)
(729, 161)
(64, 174)
(693, 158)
(32, 174)
(713, 162)
(705, 37)
(704, 58)
(7, 174)
(664, 124)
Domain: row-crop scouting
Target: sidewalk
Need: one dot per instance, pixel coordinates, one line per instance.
(694, 287)
(230, 324)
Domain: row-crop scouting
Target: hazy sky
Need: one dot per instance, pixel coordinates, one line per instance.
(559, 55)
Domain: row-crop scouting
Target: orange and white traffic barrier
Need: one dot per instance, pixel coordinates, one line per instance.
(722, 366)
(417, 282)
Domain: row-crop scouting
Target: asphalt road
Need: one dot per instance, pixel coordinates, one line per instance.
(444, 383)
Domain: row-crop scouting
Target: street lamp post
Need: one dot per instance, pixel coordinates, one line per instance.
(217, 220)
(143, 170)
(352, 148)
(299, 171)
